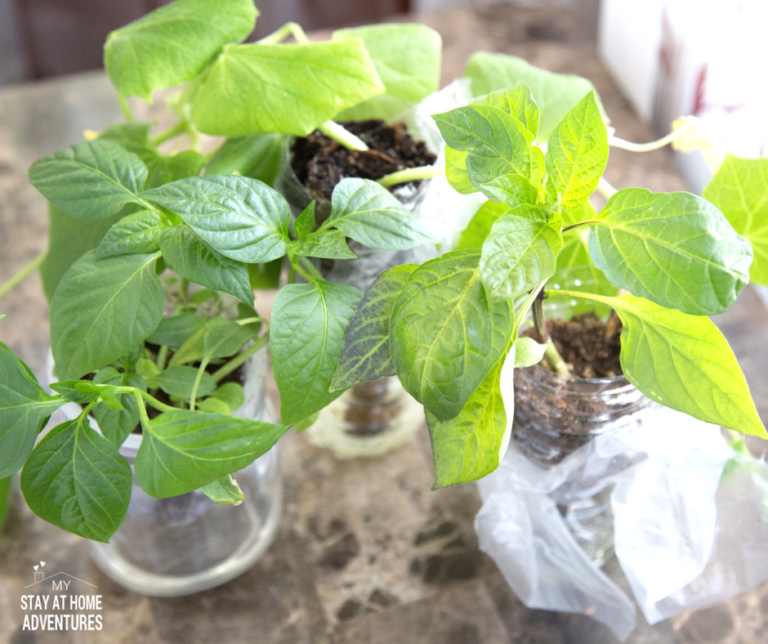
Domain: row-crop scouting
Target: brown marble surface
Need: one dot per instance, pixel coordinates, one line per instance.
(366, 553)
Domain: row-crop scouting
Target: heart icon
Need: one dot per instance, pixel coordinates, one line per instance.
(35, 567)
(42, 563)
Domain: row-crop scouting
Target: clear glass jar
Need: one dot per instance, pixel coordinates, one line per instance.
(371, 418)
(185, 544)
(556, 416)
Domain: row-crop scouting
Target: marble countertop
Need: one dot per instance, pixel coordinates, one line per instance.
(366, 553)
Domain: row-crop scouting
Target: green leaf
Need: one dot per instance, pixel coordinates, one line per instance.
(519, 253)
(144, 367)
(214, 406)
(224, 340)
(577, 154)
(674, 249)
(193, 348)
(255, 156)
(305, 222)
(243, 219)
(516, 101)
(407, 59)
(480, 225)
(117, 425)
(446, 333)
(456, 171)
(69, 389)
(231, 394)
(102, 309)
(24, 411)
(92, 179)
(265, 276)
(176, 330)
(5, 498)
(68, 241)
(135, 234)
(739, 190)
(189, 256)
(173, 44)
(365, 352)
(161, 168)
(497, 143)
(224, 491)
(512, 190)
(331, 244)
(683, 361)
(528, 352)
(373, 216)
(469, 446)
(555, 94)
(306, 336)
(77, 480)
(183, 451)
(179, 381)
(296, 87)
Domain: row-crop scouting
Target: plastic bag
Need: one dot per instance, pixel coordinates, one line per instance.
(679, 529)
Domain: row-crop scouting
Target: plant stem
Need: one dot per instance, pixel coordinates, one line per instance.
(123, 100)
(250, 321)
(291, 274)
(606, 189)
(288, 29)
(154, 402)
(308, 272)
(411, 174)
(554, 359)
(22, 274)
(162, 357)
(239, 359)
(653, 145)
(342, 135)
(196, 385)
(179, 128)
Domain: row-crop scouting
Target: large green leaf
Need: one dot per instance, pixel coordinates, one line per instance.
(296, 87)
(182, 451)
(24, 410)
(308, 326)
(469, 447)
(68, 241)
(516, 101)
(174, 43)
(91, 179)
(191, 258)
(256, 156)
(511, 189)
(555, 94)
(135, 234)
(740, 191)
(496, 143)
(518, 254)
(224, 340)
(577, 154)
(242, 218)
(674, 249)
(117, 424)
(684, 362)
(373, 216)
(480, 225)
(446, 333)
(407, 59)
(162, 168)
(77, 480)
(331, 244)
(456, 171)
(102, 309)
(365, 353)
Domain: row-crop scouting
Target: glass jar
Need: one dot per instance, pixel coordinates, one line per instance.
(185, 544)
(371, 418)
(555, 416)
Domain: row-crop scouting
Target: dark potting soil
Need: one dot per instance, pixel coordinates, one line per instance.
(320, 163)
(590, 346)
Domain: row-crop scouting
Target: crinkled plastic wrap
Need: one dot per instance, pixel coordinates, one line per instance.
(690, 524)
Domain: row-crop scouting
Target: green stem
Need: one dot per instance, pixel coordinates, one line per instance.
(554, 359)
(291, 274)
(121, 98)
(605, 188)
(653, 145)
(251, 321)
(288, 29)
(22, 274)
(239, 359)
(342, 135)
(154, 401)
(411, 174)
(179, 128)
(590, 222)
(143, 417)
(196, 385)
(162, 357)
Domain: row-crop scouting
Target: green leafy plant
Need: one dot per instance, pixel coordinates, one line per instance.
(132, 227)
(154, 257)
